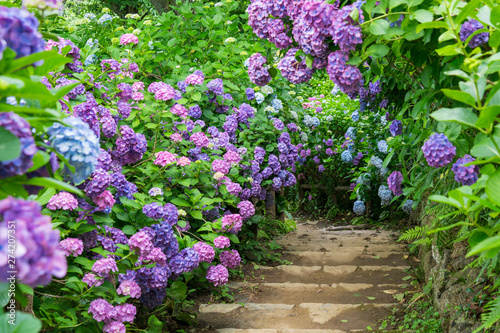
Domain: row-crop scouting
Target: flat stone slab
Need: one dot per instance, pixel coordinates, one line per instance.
(267, 307)
(323, 312)
(218, 308)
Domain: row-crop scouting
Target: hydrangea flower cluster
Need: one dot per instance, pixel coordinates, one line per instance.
(385, 194)
(20, 32)
(359, 207)
(37, 252)
(294, 71)
(259, 75)
(396, 127)
(408, 206)
(438, 150)
(467, 175)
(78, 144)
(468, 28)
(394, 181)
(62, 200)
(22, 130)
(217, 275)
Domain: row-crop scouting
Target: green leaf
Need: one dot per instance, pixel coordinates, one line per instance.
(10, 147)
(180, 202)
(378, 50)
(445, 200)
(154, 325)
(23, 323)
(273, 72)
(196, 96)
(54, 183)
(45, 195)
(486, 148)
(177, 290)
(487, 116)
(379, 27)
(493, 187)
(196, 214)
(422, 16)
(495, 17)
(467, 10)
(432, 25)
(395, 3)
(309, 61)
(129, 230)
(460, 96)
(4, 294)
(486, 245)
(476, 237)
(463, 116)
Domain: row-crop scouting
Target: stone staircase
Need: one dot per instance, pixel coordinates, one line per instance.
(340, 281)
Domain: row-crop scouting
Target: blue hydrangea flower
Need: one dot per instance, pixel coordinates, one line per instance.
(315, 121)
(385, 195)
(359, 207)
(355, 116)
(259, 97)
(277, 104)
(78, 144)
(376, 162)
(408, 207)
(346, 156)
(91, 59)
(382, 146)
(90, 16)
(329, 118)
(351, 133)
(104, 19)
(335, 90)
(303, 137)
(92, 42)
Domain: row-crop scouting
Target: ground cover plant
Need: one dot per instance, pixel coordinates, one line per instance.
(138, 142)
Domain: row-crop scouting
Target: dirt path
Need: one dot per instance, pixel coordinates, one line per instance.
(340, 281)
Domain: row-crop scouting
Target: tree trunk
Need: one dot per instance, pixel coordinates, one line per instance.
(270, 205)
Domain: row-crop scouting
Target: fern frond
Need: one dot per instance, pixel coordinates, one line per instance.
(491, 316)
(412, 234)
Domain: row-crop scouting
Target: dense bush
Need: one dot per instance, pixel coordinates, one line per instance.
(139, 137)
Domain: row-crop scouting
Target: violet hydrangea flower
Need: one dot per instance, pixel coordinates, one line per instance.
(217, 275)
(438, 150)
(394, 181)
(221, 242)
(467, 175)
(71, 246)
(37, 245)
(62, 200)
(468, 28)
(205, 252)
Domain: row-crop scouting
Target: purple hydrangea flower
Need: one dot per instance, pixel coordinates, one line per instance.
(101, 310)
(103, 267)
(438, 150)
(205, 252)
(259, 75)
(185, 261)
(218, 275)
(221, 242)
(250, 93)
(468, 28)
(71, 246)
(467, 175)
(22, 130)
(130, 146)
(394, 181)
(129, 287)
(19, 32)
(246, 209)
(216, 86)
(230, 259)
(63, 200)
(37, 245)
(396, 127)
(195, 112)
(294, 71)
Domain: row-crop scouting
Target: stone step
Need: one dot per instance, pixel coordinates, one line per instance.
(325, 316)
(337, 247)
(330, 274)
(236, 330)
(339, 293)
(345, 256)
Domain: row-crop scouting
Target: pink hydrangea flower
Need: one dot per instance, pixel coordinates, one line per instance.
(205, 251)
(62, 200)
(104, 200)
(129, 287)
(114, 327)
(91, 280)
(125, 312)
(179, 110)
(221, 242)
(104, 266)
(232, 157)
(221, 166)
(71, 246)
(230, 259)
(194, 79)
(138, 86)
(165, 93)
(142, 242)
(183, 161)
(218, 275)
(232, 223)
(101, 310)
(155, 255)
(126, 39)
(164, 158)
(138, 96)
(176, 137)
(200, 139)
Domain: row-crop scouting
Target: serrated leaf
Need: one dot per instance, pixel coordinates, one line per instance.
(10, 147)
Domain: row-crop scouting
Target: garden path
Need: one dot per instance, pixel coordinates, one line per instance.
(340, 281)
